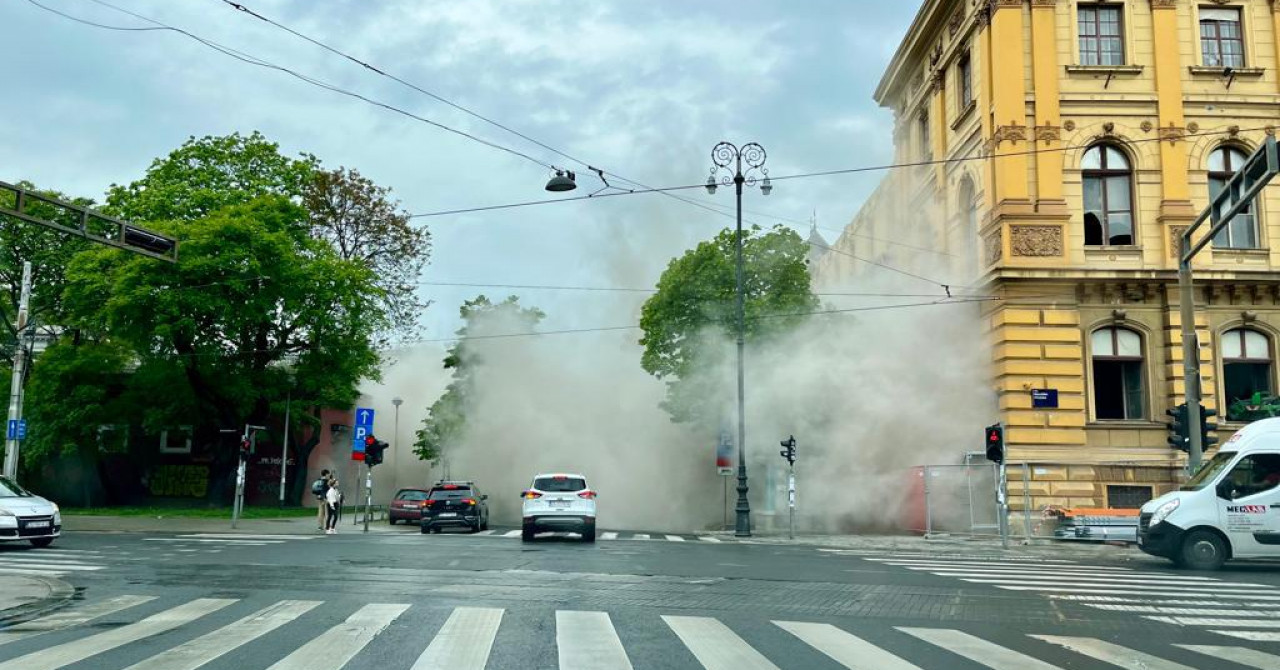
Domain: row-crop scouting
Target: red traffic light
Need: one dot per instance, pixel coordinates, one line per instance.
(370, 440)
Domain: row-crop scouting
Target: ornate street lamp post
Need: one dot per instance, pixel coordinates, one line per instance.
(728, 158)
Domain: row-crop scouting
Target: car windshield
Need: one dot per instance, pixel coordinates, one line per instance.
(559, 484)
(1209, 471)
(412, 495)
(450, 494)
(10, 489)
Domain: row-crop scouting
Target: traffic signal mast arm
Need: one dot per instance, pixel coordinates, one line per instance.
(90, 224)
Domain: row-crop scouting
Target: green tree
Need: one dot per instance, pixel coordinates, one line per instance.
(446, 420)
(256, 307)
(690, 323)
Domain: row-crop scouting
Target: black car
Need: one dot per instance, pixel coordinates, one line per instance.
(455, 504)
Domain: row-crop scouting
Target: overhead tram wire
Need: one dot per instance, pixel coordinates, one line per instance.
(471, 112)
(259, 62)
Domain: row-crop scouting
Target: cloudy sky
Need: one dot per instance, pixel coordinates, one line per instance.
(643, 90)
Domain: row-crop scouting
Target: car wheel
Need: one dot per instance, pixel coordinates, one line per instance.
(589, 533)
(1203, 550)
(526, 533)
(391, 521)
(41, 542)
(485, 525)
(425, 529)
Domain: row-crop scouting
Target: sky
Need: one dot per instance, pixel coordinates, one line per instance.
(642, 90)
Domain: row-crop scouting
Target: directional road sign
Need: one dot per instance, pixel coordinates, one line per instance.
(17, 429)
(364, 427)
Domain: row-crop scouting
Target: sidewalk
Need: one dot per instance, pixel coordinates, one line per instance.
(953, 545)
(25, 596)
(162, 524)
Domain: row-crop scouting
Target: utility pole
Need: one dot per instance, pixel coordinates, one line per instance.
(1237, 195)
(247, 443)
(19, 372)
(284, 448)
(368, 494)
(789, 453)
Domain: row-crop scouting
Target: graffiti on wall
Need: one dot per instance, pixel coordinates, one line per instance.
(186, 481)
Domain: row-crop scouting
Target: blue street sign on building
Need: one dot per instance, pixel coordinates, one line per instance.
(1044, 398)
(17, 429)
(363, 428)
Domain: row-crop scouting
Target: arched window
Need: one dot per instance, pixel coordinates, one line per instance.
(1242, 231)
(1108, 196)
(1246, 368)
(1117, 374)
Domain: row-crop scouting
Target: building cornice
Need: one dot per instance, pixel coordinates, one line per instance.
(931, 12)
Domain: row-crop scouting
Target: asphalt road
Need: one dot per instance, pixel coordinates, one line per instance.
(389, 601)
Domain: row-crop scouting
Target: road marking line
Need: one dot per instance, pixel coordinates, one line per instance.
(1114, 654)
(1255, 635)
(674, 538)
(1207, 601)
(1248, 657)
(1167, 582)
(1225, 623)
(51, 658)
(512, 533)
(640, 536)
(1139, 591)
(200, 651)
(71, 617)
(995, 563)
(464, 642)
(1183, 611)
(1049, 572)
(588, 641)
(978, 650)
(333, 648)
(246, 536)
(73, 567)
(30, 571)
(230, 543)
(63, 552)
(848, 650)
(715, 646)
(1094, 584)
(708, 538)
(609, 536)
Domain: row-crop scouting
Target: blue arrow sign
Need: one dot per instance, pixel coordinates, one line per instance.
(364, 427)
(17, 429)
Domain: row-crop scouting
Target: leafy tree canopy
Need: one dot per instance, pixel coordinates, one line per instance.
(447, 417)
(693, 316)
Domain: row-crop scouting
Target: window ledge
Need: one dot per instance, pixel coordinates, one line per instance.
(1216, 71)
(1242, 251)
(1126, 424)
(1127, 251)
(1104, 69)
(964, 114)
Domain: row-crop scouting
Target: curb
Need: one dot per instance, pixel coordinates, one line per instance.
(60, 593)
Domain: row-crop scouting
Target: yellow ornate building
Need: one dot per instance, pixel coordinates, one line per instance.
(1065, 144)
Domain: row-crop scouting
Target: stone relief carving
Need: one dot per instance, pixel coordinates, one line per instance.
(1069, 125)
(1146, 126)
(1048, 133)
(1172, 134)
(1035, 240)
(993, 247)
(1175, 240)
(1012, 133)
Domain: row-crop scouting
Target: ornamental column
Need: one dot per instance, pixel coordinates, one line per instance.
(1172, 127)
(1009, 101)
(1048, 129)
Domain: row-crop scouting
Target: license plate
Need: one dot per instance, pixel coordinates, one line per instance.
(38, 524)
(560, 504)
(447, 514)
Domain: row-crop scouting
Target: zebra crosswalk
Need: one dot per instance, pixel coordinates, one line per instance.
(1236, 609)
(51, 562)
(107, 635)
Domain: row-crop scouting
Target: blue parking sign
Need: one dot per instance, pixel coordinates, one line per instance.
(363, 428)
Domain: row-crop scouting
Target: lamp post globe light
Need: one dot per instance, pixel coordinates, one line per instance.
(728, 162)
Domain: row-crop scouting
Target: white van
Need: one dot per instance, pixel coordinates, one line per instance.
(1229, 509)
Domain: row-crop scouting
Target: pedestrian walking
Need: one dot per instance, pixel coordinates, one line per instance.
(318, 489)
(334, 499)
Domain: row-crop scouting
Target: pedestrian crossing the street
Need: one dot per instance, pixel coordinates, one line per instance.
(1236, 609)
(192, 634)
(50, 562)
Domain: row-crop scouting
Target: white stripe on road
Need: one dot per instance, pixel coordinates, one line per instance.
(609, 536)
(1061, 573)
(1247, 657)
(1003, 564)
(1138, 591)
(1225, 623)
(848, 650)
(332, 649)
(30, 571)
(587, 641)
(63, 552)
(69, 567)
(708, 538)
(674, 538)
(1207, 601)
(71, 617)
(512, 533)
(1165, 583)
(715, 646)
(233, 543)
(246, 536)
(1255, 635)
(51, 658)
(1184, 611)
(200, 651)
(1114, 654)
(640, 536)
(978, 650)
(464, 642)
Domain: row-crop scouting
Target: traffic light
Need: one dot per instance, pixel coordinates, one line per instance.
(373, 451)
(1205, 440)
(995, 443)
(789, 450)
(1179, 431)
(245, 448)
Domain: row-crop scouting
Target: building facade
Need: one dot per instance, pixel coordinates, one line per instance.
(1063, 146)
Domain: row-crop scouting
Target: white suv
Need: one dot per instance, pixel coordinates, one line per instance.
(559, 501)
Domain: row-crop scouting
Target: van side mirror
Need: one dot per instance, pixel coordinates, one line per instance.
(1225, 490)
(484, 497)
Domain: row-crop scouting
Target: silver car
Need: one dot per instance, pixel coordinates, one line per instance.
(27, 516)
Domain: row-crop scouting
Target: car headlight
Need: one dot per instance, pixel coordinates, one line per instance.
(1163, 511)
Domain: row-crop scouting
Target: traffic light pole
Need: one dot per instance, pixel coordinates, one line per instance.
(250, 436)
(1002, 502)
(368, 494)
(1237, 195)
(12, 444)
(791, 503)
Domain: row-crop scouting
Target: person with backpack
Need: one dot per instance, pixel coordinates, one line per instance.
(334, 498)
(318, 489)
